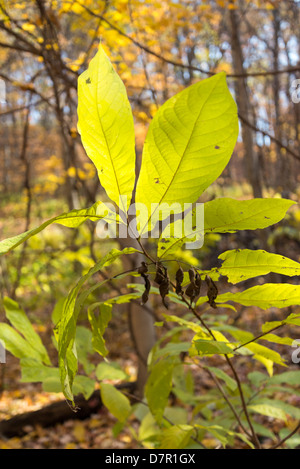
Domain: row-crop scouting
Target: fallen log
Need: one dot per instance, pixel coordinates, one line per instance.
(55, 413)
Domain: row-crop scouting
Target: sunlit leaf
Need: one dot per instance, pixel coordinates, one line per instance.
(242, 264)
(189, 142)
(115, 401)
(105, 123)
(22, 324)
(229, 215)
(264, 296)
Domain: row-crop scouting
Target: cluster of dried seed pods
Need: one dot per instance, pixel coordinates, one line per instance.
(192, 290)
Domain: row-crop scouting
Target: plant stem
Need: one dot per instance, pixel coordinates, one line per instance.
(260, 336)
(287, 437)
(220, 388)
(229, 362)
(236, 377)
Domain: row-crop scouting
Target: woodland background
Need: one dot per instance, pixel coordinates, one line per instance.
(158, 48)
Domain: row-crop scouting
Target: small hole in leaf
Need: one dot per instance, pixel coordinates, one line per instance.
(88, 81)
(217, 147)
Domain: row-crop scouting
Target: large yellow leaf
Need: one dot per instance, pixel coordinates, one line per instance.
(189, 143)
(105, 123)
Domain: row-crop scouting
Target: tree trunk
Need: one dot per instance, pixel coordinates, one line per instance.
(244, 107)
(283, 166)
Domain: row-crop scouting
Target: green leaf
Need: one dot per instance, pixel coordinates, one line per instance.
(217, 431)
(178, 233)
(257, 378)
(15, 344)
(289, 377)
(265, 296)
(189, 142)
(158, 386)
(275, 339)
(293, 318)
(261, 350)
(238, 334)
(293, 442)
(34, 371)
(148, 428)
(211, 347)
(83, 385)
(117, 404)
(72, 219)
(83, 341)
(286, 408)
(172, 349)
(222, 216)
(183, 322)
(231, 383)
(229, 215)
(67, 325)
(98, 325)
(20, 321)
(268, 411)
(105, 123)
(111, 371)
(175, 437)
(242, 264)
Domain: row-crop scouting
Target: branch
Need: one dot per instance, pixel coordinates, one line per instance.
(287, 437)
(229, 362)
(266, 134)
(180, 64)
(220, 388)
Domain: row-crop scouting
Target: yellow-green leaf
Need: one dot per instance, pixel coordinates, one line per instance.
(115, 401)
(242, 264)
(189, 143)
(105, 123)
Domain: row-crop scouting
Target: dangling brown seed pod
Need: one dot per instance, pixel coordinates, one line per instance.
(197, 284)
(212, 291)
(192, 275)
(143, 269)
(164, 290)
(145, 295)
(179, 279)
(193, 289)
(160, 273)
(190, 291)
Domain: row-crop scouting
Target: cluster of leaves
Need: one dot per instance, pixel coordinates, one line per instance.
(189, 143)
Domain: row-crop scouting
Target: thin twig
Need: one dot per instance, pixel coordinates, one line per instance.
(287, 437)
(180, 64)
